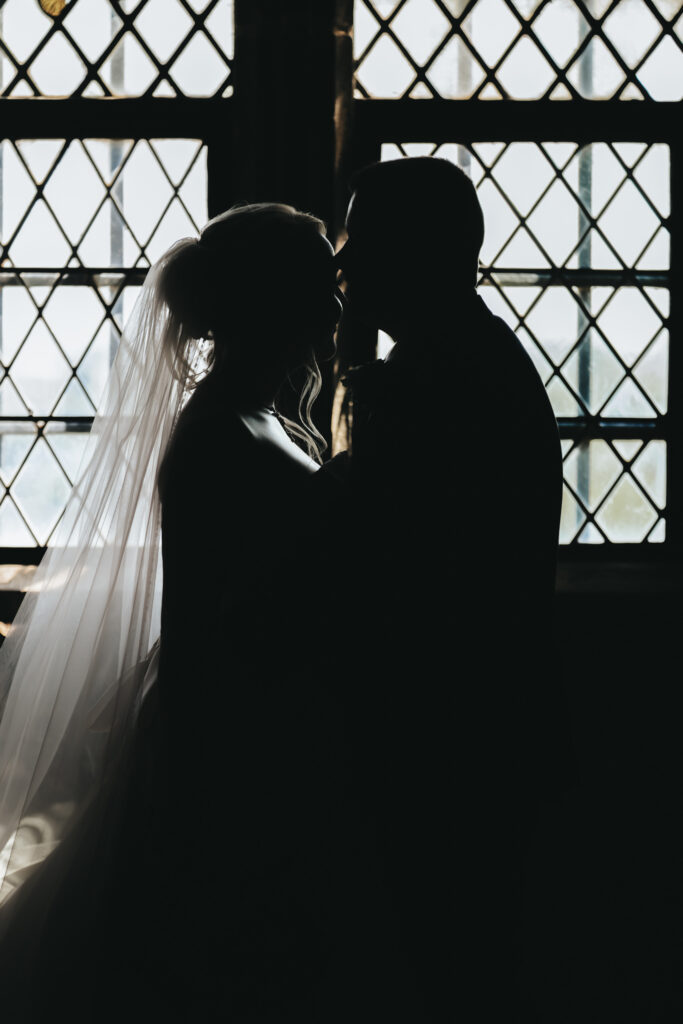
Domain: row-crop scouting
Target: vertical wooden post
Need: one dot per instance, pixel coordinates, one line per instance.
(292, 108)
(292, 78)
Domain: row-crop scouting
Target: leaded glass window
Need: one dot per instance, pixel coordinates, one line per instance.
(578, 257)
(576, 260)
(117, 48)
(80, 223)
(532, 49)
(84, 214)
(578, 250)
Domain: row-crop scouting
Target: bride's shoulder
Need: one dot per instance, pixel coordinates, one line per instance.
(204, 435)
(209, 416)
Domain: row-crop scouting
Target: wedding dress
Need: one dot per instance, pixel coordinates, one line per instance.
(83, 650)
(175, 829)
(73, 666)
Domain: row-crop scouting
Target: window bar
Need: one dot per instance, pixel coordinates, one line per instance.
(2, 217)
(116, 225)
(581, 428)
(674, 488)
(584, 256)
(464, 84)
(464, 58)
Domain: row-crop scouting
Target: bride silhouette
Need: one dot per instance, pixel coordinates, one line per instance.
(174, 828)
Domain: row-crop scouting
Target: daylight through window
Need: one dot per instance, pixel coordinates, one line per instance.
(80, 222)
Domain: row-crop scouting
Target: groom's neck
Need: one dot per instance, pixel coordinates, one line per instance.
(431, 317)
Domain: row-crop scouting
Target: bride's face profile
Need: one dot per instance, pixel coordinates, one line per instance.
(277, 294)
(261, 282)
(312, 310)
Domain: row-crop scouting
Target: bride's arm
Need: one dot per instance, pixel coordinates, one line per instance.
(204, 489)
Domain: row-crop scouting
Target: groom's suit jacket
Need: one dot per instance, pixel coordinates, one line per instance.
(456, 480)
(455, 492)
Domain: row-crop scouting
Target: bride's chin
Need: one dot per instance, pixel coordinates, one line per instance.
(327, 348)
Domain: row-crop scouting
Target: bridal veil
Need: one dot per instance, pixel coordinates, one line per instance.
(82, 650)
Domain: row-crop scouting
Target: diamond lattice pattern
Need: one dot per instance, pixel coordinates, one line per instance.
(80, 223)
(493, 49)
(614, 491)
(117, 48)
(576, 260)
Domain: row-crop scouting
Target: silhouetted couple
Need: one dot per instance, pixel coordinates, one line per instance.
(328, 783)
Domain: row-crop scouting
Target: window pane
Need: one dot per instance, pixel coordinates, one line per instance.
(80, 222)
(576, 261)
(614, 491)
(128, 49)
(98, 203)
(490, 49)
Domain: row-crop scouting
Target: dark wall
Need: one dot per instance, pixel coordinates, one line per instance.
(604, 937)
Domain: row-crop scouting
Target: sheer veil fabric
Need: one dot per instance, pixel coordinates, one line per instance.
(83, 649)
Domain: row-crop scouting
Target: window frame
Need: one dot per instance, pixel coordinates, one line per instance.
(378, 121)
(273, 139)
(322, 135)
(209, 121)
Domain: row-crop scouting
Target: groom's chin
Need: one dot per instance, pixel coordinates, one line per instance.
(363, 310)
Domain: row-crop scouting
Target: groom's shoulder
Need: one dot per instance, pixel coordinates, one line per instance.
(368, 382)
(507, 357)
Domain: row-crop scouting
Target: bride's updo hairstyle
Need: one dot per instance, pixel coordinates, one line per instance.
(257, 287)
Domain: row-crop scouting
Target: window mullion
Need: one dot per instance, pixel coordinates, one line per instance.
(106, 118)
(579, 121)
(674, 525)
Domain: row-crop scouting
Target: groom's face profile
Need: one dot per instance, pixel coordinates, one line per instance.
(366, 262)
(415, 228)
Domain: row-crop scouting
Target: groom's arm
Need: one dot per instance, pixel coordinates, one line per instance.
(336, 470)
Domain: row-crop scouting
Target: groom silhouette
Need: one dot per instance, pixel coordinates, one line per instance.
(455, 480)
